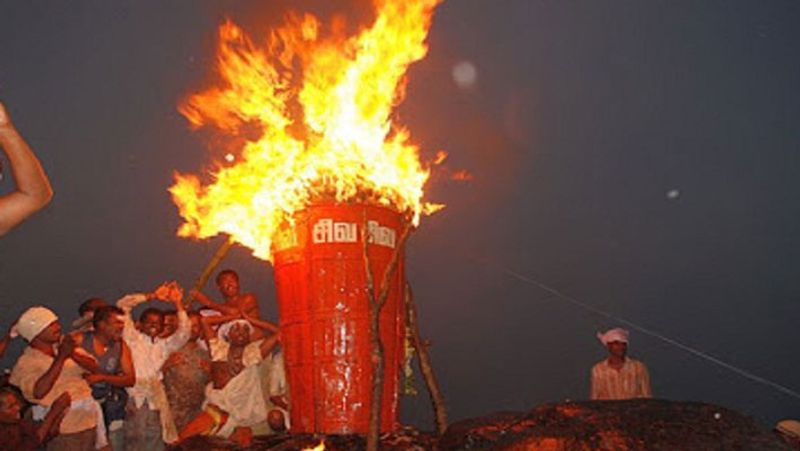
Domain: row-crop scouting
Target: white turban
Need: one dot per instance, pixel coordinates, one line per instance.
(225, 329)
(34, 321)
(617, 334)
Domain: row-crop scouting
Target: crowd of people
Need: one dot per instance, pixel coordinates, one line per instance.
(125, 381)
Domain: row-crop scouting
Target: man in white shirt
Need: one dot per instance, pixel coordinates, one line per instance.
(50, 367)
(148, 422)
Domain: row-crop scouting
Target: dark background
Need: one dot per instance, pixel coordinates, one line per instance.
(585, 116)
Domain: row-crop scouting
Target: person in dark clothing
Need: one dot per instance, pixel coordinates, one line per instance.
(20, 433)
(116, 369)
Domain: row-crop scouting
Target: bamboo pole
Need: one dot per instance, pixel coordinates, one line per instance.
(201, 280)
(425, 365)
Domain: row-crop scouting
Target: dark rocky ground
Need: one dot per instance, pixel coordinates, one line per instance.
(608, 425)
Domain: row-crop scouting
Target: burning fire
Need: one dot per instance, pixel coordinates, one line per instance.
(320, 447)
(321, 103)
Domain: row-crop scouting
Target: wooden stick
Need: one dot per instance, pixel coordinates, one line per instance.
(200, 282)
(425, 366)
(375, 306)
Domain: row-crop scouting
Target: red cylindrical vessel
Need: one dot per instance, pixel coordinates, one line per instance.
(324, 315)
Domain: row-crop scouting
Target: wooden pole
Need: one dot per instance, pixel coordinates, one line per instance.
(376, 304)
(201, 280)
(425, 365)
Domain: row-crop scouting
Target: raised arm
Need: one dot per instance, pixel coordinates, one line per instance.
(46, 381)
(182, 333)
(33, 190)
(268, 344)
(260, 323)
(127, 304)
(206, 301)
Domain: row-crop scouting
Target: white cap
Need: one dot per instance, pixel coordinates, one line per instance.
(617, 334)
(34, 321)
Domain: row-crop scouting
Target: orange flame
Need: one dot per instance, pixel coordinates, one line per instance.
(320, 447)
(326, 129)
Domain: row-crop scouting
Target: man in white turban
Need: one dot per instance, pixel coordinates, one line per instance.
(234, 399)
(619, 376)
(50, 367)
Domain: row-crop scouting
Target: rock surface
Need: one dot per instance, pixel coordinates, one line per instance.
(579, 426)
(613, 425)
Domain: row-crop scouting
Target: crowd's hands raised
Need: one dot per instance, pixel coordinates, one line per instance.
(169, 292)
(197, 295)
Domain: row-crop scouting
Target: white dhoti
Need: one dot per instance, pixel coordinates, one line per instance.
(241, 398)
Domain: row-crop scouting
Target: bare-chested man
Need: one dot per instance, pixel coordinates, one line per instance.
(33, 188)
(234, 301)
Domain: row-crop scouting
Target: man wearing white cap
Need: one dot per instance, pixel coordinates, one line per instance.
(51, 366)
(619, 376)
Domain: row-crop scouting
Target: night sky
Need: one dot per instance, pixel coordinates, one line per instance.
(639, 157)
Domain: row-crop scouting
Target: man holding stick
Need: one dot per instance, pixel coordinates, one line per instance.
(33, 188)
(235, 302)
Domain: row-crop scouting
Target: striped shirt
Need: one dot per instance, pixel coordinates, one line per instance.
(630, 381)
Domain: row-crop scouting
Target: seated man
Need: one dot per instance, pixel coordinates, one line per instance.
(51, 366)
(22, 434)
(234, 399)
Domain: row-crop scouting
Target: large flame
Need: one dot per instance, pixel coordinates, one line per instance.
(321, 103)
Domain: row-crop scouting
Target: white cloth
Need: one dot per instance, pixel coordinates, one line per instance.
(32, 364)
(225, 328)
(148, 355)
(617, 334)
(33, 321)
(242, 397)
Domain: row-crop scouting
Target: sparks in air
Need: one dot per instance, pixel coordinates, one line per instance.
(322, 104)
